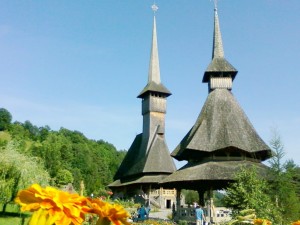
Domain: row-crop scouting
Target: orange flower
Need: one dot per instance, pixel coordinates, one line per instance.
(52, 206)
(296, 222)
(261, 222)
(109, 212)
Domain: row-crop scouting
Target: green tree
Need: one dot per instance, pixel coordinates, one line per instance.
(294, 171)
(5, 119)
(9, 177)
(18, 171)
(250, 192)
(50, 152)
(278, 152)
(94, 162)
(64, 177)
(43, 132)
(285, 181)
(18, 132)
(190, 196)
(33, 130)
(218, 199)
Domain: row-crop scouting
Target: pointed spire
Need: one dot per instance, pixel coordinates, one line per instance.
(218, 51)
(219, 66)
(154, 71)
(154, 84)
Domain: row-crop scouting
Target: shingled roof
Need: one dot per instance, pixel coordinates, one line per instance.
(217, 65)
(214, 174)
(154, 87)
(138, 163)
(131, 158)
(143, 179)
(156, 160)
(221, 124)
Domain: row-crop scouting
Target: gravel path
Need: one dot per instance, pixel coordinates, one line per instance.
(161, 214)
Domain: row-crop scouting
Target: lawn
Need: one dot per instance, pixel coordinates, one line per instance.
(12, 216)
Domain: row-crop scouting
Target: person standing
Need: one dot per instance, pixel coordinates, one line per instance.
(142, 213)
(199, 215)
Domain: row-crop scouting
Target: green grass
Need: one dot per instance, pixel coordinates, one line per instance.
(12, 216)
(12, 220)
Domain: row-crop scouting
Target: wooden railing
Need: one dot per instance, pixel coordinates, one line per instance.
(188, 214)
(164, 192)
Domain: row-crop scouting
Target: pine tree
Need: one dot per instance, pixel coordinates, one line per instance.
(284, 182)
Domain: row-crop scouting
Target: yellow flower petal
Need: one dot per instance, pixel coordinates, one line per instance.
(52, 205)
(38, 217)
(113, 212)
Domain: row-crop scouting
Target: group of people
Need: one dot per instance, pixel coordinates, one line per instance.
(143, 213)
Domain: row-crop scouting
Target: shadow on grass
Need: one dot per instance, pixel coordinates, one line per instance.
(13, 214)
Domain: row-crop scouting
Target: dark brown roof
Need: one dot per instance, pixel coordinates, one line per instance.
(216, 174)
(221, 124)
(154, 87)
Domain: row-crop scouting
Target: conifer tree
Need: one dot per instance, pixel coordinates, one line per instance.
(249, 191)
(283, 185)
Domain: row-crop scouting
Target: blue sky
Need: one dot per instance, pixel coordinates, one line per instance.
(81, 64)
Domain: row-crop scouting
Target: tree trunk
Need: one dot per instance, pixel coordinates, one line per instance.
(4, 208)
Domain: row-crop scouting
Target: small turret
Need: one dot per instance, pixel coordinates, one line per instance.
(219, 73)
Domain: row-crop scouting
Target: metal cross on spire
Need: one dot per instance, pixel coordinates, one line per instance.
(154, 7)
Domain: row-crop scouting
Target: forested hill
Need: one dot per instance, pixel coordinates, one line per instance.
(68, 156)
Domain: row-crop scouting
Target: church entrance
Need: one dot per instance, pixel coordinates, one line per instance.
(168, 203)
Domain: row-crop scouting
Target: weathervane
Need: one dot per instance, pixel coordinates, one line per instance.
(154, 7)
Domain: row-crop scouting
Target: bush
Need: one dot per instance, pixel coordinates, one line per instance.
(182, 222)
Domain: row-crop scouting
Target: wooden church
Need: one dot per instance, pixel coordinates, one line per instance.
(222, 140)
(148, 160)
(219, 144)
